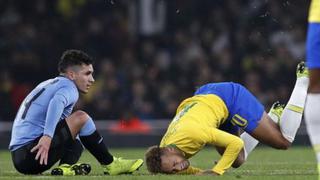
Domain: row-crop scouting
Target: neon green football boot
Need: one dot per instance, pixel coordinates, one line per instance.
(122, 166)
(302, 70)
(71, 170)
(276, 110)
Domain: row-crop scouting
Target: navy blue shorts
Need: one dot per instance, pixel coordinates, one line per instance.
(24, 160)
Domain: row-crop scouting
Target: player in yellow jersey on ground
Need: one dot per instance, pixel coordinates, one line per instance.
(215, 115)
(312, 112)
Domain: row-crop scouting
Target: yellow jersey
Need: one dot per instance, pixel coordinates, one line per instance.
(314, 11)
(196, 124)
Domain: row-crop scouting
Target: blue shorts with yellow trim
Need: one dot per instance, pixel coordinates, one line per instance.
(245, 111)
(313, 46)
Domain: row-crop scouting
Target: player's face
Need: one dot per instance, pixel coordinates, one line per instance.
(83, 78)
(172, 162)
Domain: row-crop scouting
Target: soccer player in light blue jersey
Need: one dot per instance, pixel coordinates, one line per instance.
(45, 129)
(312, 112)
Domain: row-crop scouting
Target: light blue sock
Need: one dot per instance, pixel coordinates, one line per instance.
(88, 128)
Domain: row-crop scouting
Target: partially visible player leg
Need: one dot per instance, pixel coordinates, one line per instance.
(72, 149)
(89, 137)
(267, 125)
(292, 114)
(68, 163)
(72, 153)
(268, 132)
(312, 113)
(281, 136)
(94, 143)
(250, 142)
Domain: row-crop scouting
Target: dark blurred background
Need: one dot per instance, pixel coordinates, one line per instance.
(151, 54)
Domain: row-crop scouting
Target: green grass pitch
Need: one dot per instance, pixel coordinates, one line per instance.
(263, 164)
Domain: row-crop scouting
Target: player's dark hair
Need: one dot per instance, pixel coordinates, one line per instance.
(73, 57)
(153, 159)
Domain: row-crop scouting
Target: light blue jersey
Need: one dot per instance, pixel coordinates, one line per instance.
(40, 112)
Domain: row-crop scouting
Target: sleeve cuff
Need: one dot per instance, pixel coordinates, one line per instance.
(218, 171)
(46, 133)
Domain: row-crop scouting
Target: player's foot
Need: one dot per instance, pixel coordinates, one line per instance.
(277, 109)
(302, 70)
(71, 170)
(81, 168)
(122, 166)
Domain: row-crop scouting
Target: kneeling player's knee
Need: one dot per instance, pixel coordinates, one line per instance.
(81, 116)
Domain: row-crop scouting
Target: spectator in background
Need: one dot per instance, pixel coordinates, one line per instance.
(7, 110)
(189, 43)
(129, 123)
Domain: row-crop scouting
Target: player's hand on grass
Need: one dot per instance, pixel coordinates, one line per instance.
(207, 172)
(42, 149)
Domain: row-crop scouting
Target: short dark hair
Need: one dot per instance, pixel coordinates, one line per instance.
(72, 57)
(153, 159)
